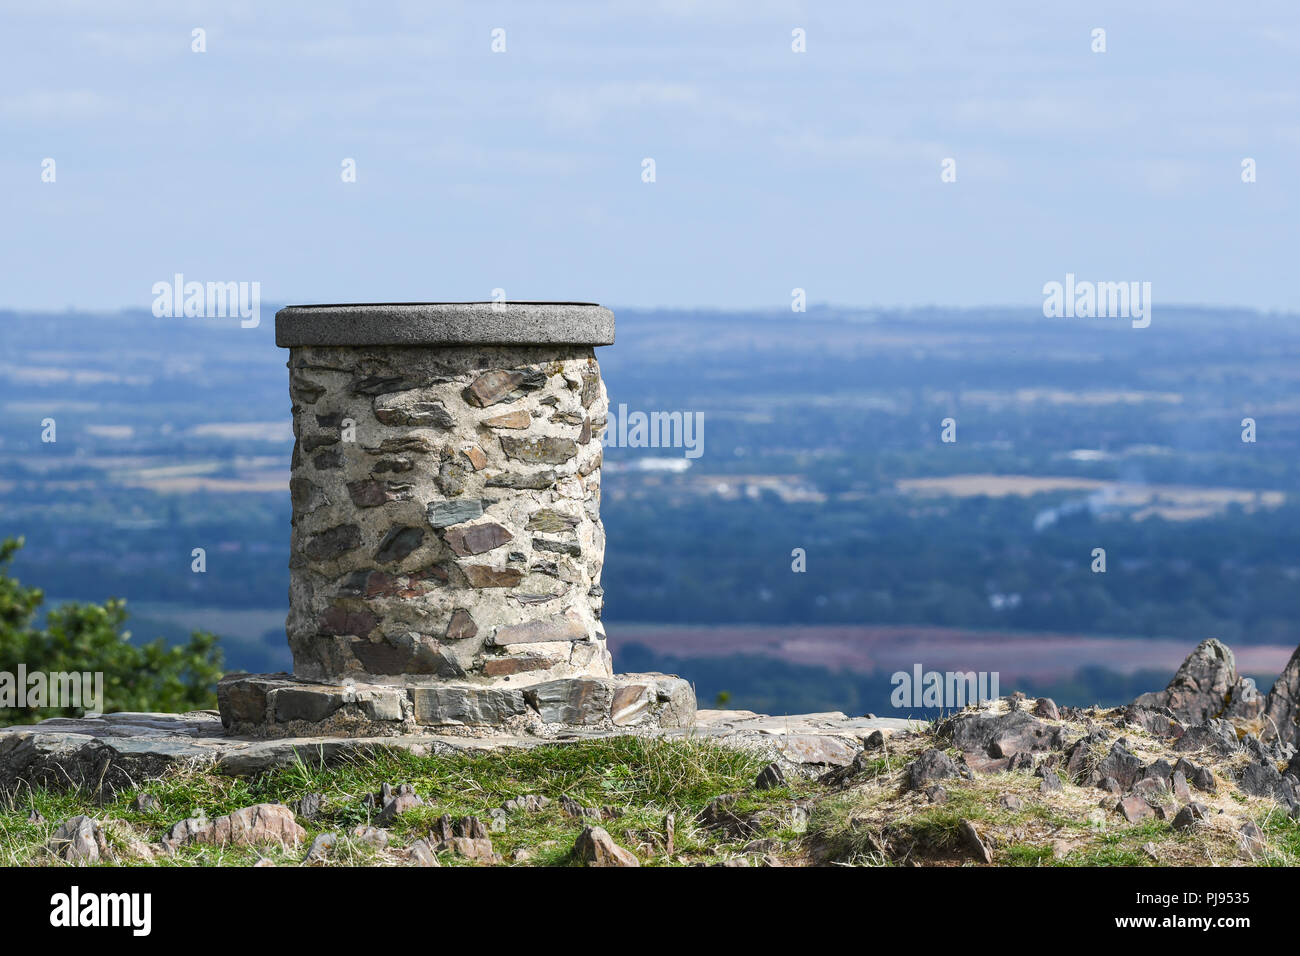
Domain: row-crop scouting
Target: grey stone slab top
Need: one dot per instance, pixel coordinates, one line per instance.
(445, 323)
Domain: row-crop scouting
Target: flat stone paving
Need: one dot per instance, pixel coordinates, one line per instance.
(118, 749)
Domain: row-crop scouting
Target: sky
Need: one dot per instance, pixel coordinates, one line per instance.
(524, 170)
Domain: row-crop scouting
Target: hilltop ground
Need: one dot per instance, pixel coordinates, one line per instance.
(1016, 783)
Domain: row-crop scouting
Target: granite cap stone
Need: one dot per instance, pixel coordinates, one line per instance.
(445, 323)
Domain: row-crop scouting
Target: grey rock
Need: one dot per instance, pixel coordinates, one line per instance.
(312, 704)
(539, 449)
(1199, 777)
(876, 740)
(1190, 816)
(770, 776)
(1160, 723)
(1121, 765)
(308, 807)
(528, 803)
(550, 521)
(595, 847)
(573, 701)
(422, 853)
(320, 847)
(1051, 783)
(333, 543)
(398, 544)
(571, 548)
(1046, 707)
(442, 514)
(1152, 789)
(1134, 808)
(413, 408)
(1251, 842)
(559, 627)
(1281, 711)
(402, 800)
(1158, 770)
(260, 823)
(475, 706)
(1000, 735)
(1261, 780)
(974, 841)
(533, 481)
(371, 836)
(1216, 736)
(79, 839)
(931, 767)
(453, 476)
(1182, 792)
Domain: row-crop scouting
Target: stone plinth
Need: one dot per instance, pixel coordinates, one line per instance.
(446, 548)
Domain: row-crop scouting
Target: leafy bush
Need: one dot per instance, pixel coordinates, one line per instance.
(77, 638)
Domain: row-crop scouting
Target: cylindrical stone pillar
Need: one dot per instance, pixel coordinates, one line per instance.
(446, 548)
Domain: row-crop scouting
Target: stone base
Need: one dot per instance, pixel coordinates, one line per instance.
(118, 751)
(281, 705)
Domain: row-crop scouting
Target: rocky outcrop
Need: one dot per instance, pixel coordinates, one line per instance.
(1281, 714)
(1207, 686)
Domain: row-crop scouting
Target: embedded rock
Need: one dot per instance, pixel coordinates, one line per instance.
(1217, 736)
(79, 840)
(931, 767)
(260, 823)
(1001, 735)
(595, 847)
(1120, 765)
(1191, 816)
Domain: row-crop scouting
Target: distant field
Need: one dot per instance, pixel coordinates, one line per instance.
(1174, 502)
(1042, 657)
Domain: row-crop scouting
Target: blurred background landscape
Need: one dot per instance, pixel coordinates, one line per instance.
(690, 164)
(822, 432)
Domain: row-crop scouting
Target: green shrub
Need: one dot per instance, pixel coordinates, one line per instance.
(78, 638)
